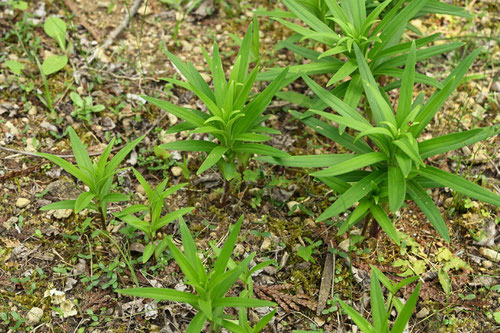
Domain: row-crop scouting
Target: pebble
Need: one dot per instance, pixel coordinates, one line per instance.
(490, 254)
(61, 214)
(176, 171)
(22, 202)
(34, 316)
(266, 245)
(422, 313)
(487, 264)
(496, 86)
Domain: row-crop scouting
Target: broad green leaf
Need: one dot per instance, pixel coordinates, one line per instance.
(103, 159)
(406, 147)
(344, 121)
(354, 163)
(259, 149)
(115, 197)
(213, 157)
(425, 203)
(54, 63)
(405, 314)
(148, 252)
(383, 279)
(352, 195)
(362, 323)
(82, 201)
(374, 130)
(397, 188)
(404, 162)
(263, 322)
(191, 251)
(377, 304)
(183, 113)
(441, 7)
(197, 323)
(161, 294)
(384, 222)
(406, 92)
(307, 161)
(63, 204)
(191, 273)
(461, 185)
(190, 145)
(404, 47)
(136, 223)
(15, 66)
(56, 28)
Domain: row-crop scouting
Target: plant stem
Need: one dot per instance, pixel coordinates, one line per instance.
(225, 196)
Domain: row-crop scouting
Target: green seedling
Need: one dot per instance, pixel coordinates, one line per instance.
(391, 150)
(210, 286)
(377, 38)
(234, 115)
(84, 107)
(382, 310)
(97, 176)
(306, 252)
(156, 203)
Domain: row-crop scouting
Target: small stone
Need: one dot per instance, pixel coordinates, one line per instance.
(176, 171)
(140, 190)
(137, 247)
(344, 245)
(293, 206)
(34, 316)
(22, 202)
(206, 77)
(423, 313)
(266, 245)
(490, 254)
(496, 86)
(12, 129)
(166, 138)
(33, 111)
(186, 46)
(172, 119)
(487, 264)
(62, 214)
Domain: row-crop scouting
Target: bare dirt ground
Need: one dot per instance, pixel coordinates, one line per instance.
(50, 262)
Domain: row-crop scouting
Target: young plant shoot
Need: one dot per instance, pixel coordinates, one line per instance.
(98, 176)
(153, 209)
(234, 119)
(211, 286)
(391, 151)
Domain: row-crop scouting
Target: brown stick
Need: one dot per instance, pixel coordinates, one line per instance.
(74, 9)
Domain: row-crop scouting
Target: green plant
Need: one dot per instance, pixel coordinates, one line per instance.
(234, 115)
(391, 150)
(84, 107)
(377, 38)
(381, 310)
(97, 176)
(210, 286)
(156, 203)
(306, 252)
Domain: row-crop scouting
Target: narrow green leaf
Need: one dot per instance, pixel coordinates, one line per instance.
(344, 71)
(384, 222)
(82, 201)
(148, 252)
(406, 92)
(68, 167)
(183, 113)
(397, 188)
(172, 216)
(358, 213)
(63, 204)
(213, 157)
(161, 294)
(355, 163)
(461, 185)
(377, 304)
(405, 314)
(190, 145)
(227, 249)
(259, 149)
(241, 302)
(307, 161)
(118, 158)
(352, 195)
(363, 324)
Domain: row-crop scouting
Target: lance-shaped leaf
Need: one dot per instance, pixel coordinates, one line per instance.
(352, 195)
(425, 203)
(307, 161)
(406, 92)
(213, 157)
(384, 222)
(397, 188)
(460, 185)
(355, 163)
(161, 294)
(259, 149)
